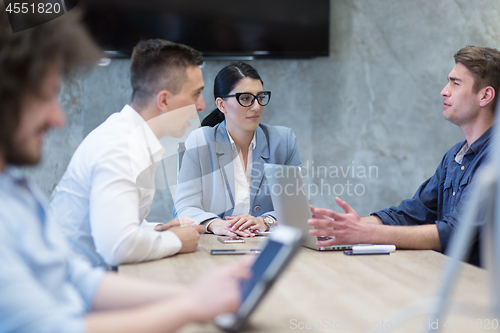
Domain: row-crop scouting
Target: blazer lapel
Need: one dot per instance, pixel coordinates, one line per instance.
(225, 162)
(260, 157)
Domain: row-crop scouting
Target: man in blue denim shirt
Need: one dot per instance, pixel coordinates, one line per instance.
(428, 220)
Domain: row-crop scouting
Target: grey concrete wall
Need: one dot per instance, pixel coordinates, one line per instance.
(374, 102)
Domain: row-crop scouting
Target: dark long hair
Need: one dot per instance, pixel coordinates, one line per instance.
(225, 81)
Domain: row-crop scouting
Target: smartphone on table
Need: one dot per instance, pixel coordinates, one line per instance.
(230, 239)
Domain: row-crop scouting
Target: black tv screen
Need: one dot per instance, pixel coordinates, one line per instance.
(217, 28)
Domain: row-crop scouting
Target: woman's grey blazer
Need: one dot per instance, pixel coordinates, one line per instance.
(206, 179)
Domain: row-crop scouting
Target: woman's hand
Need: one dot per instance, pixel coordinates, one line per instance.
(253, 225)
(221, 227)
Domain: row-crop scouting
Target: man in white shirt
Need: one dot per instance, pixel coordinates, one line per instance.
(43, 286)
(102, 201)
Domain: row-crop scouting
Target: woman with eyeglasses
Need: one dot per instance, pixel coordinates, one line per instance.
(221, 182)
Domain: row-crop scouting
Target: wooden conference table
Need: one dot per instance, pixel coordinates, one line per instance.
(332, 292)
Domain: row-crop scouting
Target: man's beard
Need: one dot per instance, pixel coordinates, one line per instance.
(15, 153)
(15, 156)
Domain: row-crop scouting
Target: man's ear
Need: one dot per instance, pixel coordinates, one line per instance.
(163, 99)
(486, 95)
(220, 105)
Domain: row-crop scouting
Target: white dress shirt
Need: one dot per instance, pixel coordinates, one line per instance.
(98, 203)
(242, 178)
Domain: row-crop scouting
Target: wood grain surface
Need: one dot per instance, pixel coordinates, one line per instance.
(332, 292)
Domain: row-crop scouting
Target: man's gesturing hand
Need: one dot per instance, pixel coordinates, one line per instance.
(348, 228)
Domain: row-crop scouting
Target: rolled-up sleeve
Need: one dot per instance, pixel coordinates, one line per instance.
(440, 200)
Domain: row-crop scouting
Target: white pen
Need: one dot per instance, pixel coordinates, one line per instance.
(373, 248)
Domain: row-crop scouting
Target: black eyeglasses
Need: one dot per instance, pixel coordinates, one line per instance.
(246, 99)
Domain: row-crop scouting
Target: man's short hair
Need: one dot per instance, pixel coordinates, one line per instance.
(159, 64)
(484, 65)
(26, 56)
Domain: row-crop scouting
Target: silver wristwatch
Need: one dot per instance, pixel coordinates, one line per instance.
(269, 221)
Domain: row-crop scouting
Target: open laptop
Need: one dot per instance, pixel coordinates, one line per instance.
(291, 206)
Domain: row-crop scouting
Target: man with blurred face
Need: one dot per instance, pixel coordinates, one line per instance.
(40, 111)
(429, 219)
(106, 192)
(44, 287)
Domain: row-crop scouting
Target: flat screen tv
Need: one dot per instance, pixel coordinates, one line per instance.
(217, 28)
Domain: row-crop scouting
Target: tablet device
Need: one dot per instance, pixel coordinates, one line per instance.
(282, 244)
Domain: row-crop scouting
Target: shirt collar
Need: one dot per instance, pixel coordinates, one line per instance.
(478, 145)
(12, 178)
(459, 157)
(152, 141)
(475, 147)
(13, 172)
(253, 143)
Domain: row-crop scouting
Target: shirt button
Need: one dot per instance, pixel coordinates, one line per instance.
(462, 168)
(454, 193)
(257, 208)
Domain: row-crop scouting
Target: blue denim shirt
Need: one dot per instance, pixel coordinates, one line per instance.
(440, 199)
(43, 286)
